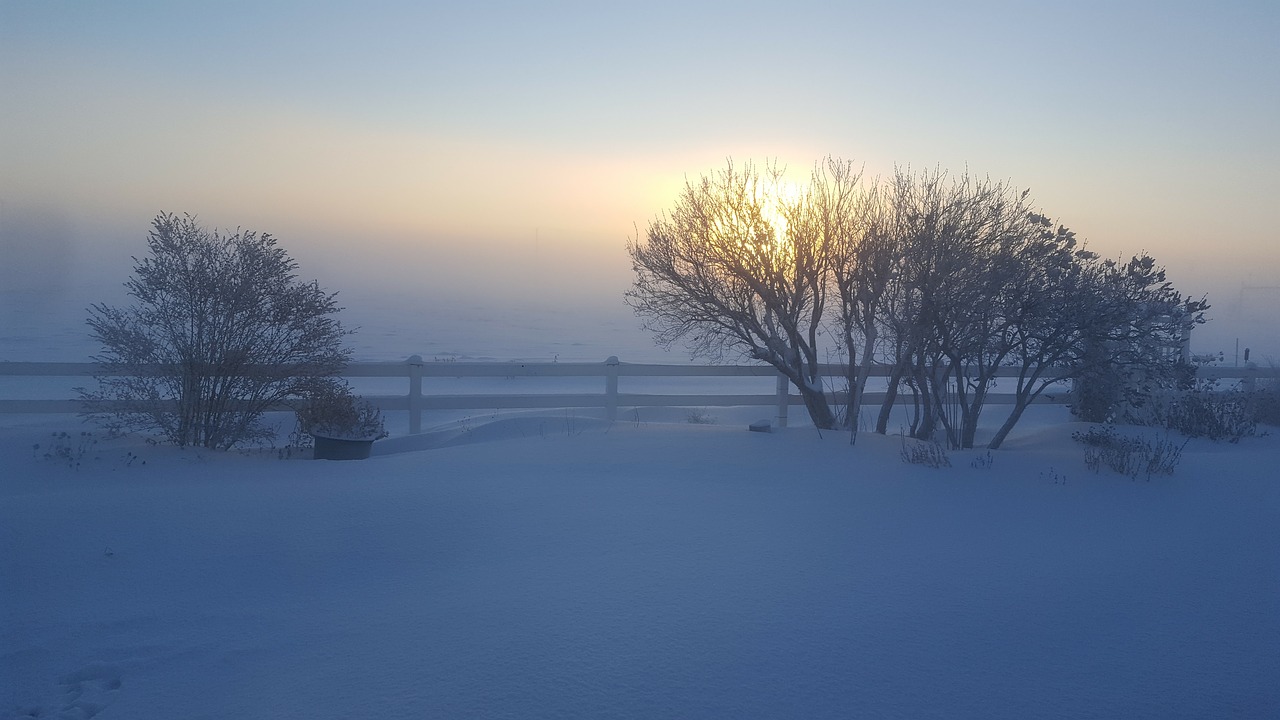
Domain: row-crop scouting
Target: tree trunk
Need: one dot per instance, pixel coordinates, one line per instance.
(970, 412)
(815, 401)
(858, 378)
(853, 406)
(1012, 420)
(927, 422)
(968, 430)
(890, 397)
(854, 401)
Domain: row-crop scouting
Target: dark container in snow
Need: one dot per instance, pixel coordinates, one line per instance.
(327, 448)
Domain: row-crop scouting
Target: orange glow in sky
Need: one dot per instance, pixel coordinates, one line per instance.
(410, 142)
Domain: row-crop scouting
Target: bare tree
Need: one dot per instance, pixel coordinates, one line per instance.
(987, 283)
(857, 227)
(952, 280)
(221, 330)
(737, 268)
(979, 270)
(934, 225)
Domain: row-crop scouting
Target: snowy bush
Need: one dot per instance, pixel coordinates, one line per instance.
(983, 462)
(221, 331)
(700, 416)
(1205, 411)
(1130, 456)
(1267, 407)
(333, 411)
(929, 453)
(1169, 395)
(1102, 389)
(1196, 408)
(65, 448)
(1266, 402)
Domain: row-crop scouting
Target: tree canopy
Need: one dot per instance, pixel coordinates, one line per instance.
(946, 281)
(220, 330)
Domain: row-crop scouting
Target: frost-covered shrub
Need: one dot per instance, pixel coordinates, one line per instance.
(220, 331)
(1135, 394)
(65, 448)
(1267, 407)
(1266, 402)
(333, 411)
(983, 462)
(1205, 411)
(1130, 456)
(1169, 396)
(700, 416)
(929, 453)
(1097, 395)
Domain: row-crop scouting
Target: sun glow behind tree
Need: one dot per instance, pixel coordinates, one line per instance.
(946, 279)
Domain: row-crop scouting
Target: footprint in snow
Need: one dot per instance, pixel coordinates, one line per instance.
(88, 691)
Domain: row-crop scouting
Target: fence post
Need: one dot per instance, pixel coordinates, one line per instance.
(1249, 379)
(415, 394)
(611, 388)
(784, 388)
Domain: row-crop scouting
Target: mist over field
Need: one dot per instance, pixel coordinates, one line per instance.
(478, 298)
(542, 295)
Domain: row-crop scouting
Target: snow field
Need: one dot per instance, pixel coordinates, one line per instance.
(560, 566)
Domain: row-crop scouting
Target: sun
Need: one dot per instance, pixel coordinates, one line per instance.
(778, 197)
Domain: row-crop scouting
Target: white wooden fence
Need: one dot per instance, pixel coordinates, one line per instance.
(610, 398)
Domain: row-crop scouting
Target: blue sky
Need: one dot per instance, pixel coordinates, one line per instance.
(488, 147)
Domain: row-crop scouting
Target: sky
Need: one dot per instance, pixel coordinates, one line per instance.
(502, 153)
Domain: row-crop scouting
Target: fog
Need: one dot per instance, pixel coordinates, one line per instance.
(1244, 316)
(433, 163)
(539, 292)
(550, 294)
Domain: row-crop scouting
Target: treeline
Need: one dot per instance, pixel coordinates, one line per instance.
(942, 278)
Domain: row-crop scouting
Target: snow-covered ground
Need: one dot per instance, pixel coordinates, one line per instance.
(554, 565)
(550, 564)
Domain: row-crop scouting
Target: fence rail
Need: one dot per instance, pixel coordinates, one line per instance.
(415, 402)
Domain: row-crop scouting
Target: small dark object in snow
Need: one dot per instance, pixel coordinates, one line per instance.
(761, 426)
